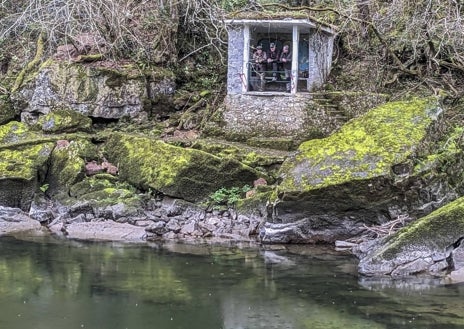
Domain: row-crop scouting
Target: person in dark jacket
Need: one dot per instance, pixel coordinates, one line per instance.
(260, 62)
(273, 58)
(286, 60)
(259, 58)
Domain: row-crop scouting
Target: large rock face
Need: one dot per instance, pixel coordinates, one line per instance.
(23, 160)
(94, 91)
(430, 245)
(363, 174)
(179, 172)
(7, 113)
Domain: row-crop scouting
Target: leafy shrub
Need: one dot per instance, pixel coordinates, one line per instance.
(228, 196)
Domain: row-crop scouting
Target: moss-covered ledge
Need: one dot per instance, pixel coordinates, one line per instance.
(98, 90)
(23, 163)
(423, 246)
(364, 148)
(175, 171)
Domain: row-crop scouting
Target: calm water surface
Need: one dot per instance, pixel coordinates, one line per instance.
(51, 284)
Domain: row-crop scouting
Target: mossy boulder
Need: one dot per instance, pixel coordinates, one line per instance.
(15, 132)
(105, 190)
(23, 164)
(179, 172)
(7, 112)
(102, 196)
(266, 160)
(424, 246)
(67, 164)
(99, 91)
(362, 149)
(362, 174)
(63, 121)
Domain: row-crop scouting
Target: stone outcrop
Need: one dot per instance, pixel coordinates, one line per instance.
(362, 174)
(431, 245)
(7, 112)
(96, 91)
(63, 121)
(175, 171)
(14, 221)
(23, 160)
(105, 231)
(67, 164)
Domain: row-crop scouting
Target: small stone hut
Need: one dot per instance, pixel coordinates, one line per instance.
(267, 102)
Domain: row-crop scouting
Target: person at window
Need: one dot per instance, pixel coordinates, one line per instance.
(273, 60)
(259, 59)
(286, 60)
(259, 66)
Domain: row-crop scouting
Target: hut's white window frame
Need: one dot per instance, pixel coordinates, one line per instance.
(294, 26)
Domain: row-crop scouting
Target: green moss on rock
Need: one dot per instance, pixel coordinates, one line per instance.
(180, 172)
(255, 205)
(14, 132)
(434, 232)
(62, 121)
(7, 112)
(22, 154)
(67, 165)
(105, 190)
(364, 148)
(262, 159)
(24, 162)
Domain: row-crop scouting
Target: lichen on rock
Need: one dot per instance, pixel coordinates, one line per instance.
(361, 175)
(431, 239)
(63, 121)
(67, 164)
(180, 172)
(364, 148)
(23, 161)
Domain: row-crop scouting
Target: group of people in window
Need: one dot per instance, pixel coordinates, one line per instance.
(275, 61)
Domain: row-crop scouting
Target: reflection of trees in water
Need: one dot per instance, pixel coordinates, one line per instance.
(250, 288)
(18, 277)
(243, 307)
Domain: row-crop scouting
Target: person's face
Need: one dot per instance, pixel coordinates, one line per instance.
(272, 48)
(285, 48)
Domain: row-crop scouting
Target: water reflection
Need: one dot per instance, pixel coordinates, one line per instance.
(61, 284)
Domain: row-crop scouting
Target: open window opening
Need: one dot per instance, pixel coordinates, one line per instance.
(277, 59)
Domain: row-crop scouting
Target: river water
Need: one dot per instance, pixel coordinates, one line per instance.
(52, 284)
